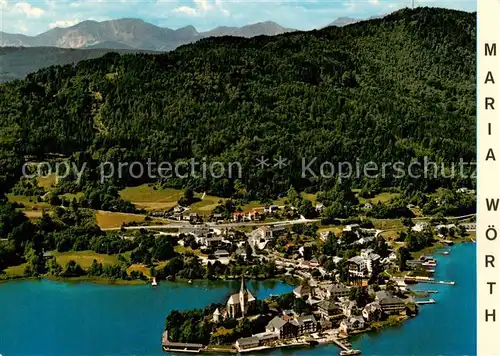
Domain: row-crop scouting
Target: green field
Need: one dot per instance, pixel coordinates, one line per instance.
(85, 258)
(383, 197)
(71, 196)
(183, 250)
(28, 202)
(149, 198)
(205, 206)
(15, 271)
(108, 219)
(47, 182)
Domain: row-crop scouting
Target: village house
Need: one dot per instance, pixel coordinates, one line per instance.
(337, 291)
(210, 240)
(327, 308)
(319, 208)
(253, 215)
(216, 316)
(390, 304)
(469, 226)
(221, 253)
(177, 216)
(324, 235)
(262, 233)
(391, 259)
(372, 311)
(364, 240)
(350, 308)
(314, 263)
(336, 259)
(306, 249)
(247, 343)
(364, 264)
(464, 190)
(352, 324)
(352, 227)
(261, 236)
(325, 324)
(193, 230)
(419, 226)
(266, 337)
(241, 253)
(307, 324)
(283, 328)
(368, 206)
(179, 209)
(423, 261)
(304, 291)
(272, 209)
(447, 226)
(238, 217)
(289, 314)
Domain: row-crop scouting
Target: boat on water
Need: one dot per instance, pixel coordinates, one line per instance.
(154, 283)
(445, 253)
(190, 281)
(350, 352)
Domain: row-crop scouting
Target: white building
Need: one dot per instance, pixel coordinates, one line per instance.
(420, 226)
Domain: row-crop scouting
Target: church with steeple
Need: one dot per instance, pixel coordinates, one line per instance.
(240, 304)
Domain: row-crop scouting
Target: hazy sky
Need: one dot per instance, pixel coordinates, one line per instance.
(35, 16)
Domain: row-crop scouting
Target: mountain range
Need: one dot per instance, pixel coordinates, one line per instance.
(134, 34)
(21, 54)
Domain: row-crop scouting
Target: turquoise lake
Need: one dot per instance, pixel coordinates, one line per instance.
(55, 318)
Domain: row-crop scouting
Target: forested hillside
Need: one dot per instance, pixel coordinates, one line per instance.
(391, 89)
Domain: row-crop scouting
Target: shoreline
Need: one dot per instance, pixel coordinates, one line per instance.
(322, 341)
(134, 282)
(79, 280)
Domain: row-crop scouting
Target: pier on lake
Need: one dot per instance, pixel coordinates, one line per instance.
(422, 302)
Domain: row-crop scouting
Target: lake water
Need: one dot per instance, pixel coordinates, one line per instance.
(54, 318)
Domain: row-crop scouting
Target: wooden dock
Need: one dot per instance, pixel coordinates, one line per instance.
(170, 346)
(340, 344)
(422, 302)
(428, 281)
(426, 291)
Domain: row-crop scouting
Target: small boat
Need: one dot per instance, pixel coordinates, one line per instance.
(445, 253)
(350, 352)
(190, 281)
(154, 283)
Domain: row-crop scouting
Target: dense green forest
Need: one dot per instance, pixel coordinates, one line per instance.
(393, 89)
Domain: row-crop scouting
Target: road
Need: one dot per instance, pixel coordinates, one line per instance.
(214, 225)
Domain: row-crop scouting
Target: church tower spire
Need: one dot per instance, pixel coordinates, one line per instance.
(243, 287)
(243, 296)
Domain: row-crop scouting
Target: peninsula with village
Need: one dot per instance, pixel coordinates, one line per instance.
(349, 278)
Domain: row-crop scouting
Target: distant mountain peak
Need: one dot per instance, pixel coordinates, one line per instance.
(343, 21)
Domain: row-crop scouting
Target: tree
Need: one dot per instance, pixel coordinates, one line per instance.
(360, 295)
(293, 197)
(72, 269)
(95, 269)
(248, 251)
(163, 248)
(306, 209)
(403, 256)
